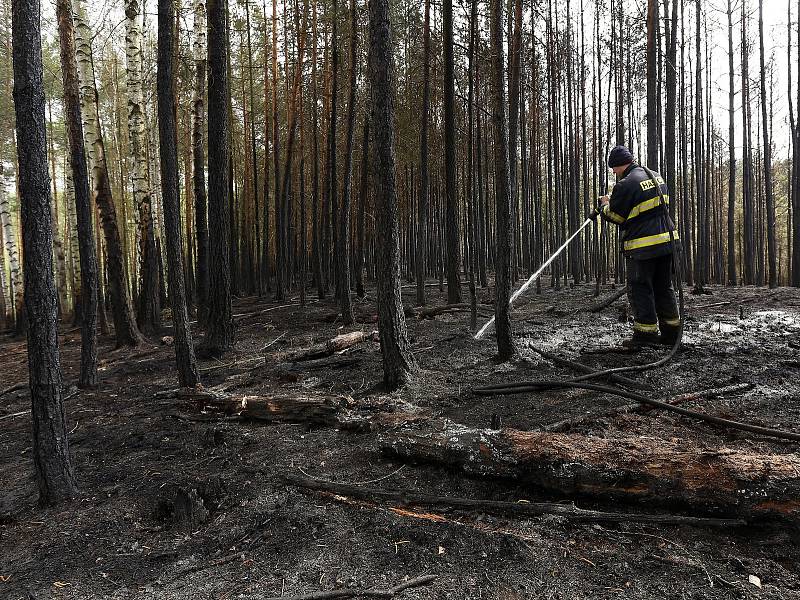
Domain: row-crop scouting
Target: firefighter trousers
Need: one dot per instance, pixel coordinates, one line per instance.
(651, 294)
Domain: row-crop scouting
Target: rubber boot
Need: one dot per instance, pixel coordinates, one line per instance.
(669, 335)
(640, 339)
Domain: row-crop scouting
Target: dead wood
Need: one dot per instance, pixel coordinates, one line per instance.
(354, 592)
(608, 300)
(430, 312)
(328, 347)
(281, 409)
(14, 388)
(522, 508)
(723, 480)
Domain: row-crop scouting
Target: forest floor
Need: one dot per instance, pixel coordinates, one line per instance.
(132, 450)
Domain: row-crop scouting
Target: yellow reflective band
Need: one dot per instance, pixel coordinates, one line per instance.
(612, 215)
(650, 240)
(645, 327)
(647, 205)
(671, 322)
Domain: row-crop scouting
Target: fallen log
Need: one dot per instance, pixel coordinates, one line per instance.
(608, 300)
(296, 371)
(281, 409)
(328, 347)
(520, 509)
(429, 312)
(720, 481)
(335, 411)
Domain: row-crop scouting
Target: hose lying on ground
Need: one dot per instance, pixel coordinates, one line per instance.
(523, 387)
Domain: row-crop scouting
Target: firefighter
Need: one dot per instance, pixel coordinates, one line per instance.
(638, 205)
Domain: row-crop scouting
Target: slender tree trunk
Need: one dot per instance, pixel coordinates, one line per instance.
(772, 276)
(362, 209)
(199, 158)
(731, 156)
(424, 177)
(12, 252)
(220, 328)
(149, 308)
(398, 361)
(652, 85)
(81, 195)
(51, 455)
(505, 343)
(188, 375)
(451, 190)
(344, 216)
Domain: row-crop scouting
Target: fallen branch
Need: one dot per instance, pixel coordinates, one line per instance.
(525, 509)
(372, 592)
(720, 480)
(713, 305)
(608, 300)
(14, 388)
(328, 411)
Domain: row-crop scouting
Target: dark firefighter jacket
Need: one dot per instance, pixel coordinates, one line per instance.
(635, 205)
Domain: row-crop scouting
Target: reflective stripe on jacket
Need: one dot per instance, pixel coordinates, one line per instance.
(636, 207)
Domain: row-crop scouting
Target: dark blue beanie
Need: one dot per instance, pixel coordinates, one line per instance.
(619, 156)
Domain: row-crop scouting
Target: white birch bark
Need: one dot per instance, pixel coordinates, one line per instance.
(11, 248)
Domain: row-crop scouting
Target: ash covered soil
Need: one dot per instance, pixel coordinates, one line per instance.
(132, 450)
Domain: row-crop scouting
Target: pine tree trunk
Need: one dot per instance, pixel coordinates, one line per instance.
(424, 177)
(188, 375)
(219, 327)
(125, 328)
(199, 158)
(652, 87)
(731, 157)
(452, 228)
(772, 276)
(51, 454)
(362, 209)
(505, 344)
(344, 216)
(398, 361)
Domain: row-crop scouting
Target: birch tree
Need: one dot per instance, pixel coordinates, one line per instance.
(149, 309)
(125, 328)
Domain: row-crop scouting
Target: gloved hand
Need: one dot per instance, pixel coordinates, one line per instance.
(594, 213)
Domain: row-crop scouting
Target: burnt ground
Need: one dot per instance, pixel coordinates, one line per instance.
(132, 451)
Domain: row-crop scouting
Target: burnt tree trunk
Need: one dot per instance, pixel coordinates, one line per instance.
(220, 329)
(398, 361)
(51, 458)
(188, 375)
(772, 277)
(505, 344)
(424, 178)
(343, 277)
(451, 191)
